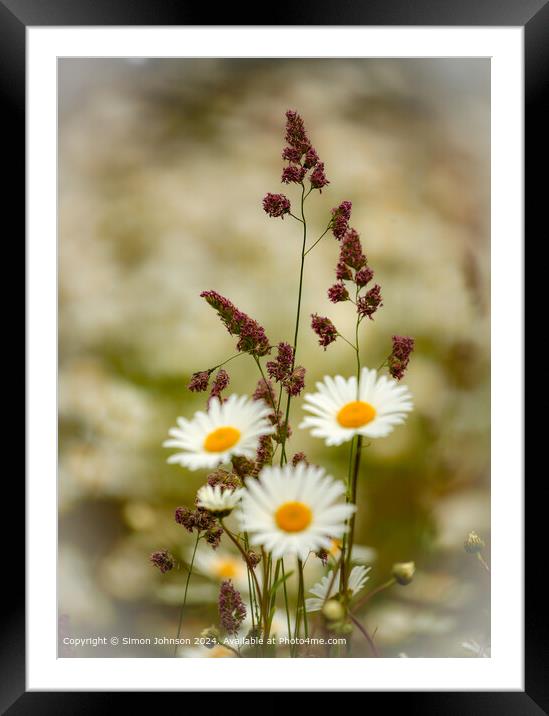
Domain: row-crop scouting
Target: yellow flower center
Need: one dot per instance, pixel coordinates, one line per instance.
(221, 439)
(293, 517)
(226, 569)
(335, 548)
(356, 414)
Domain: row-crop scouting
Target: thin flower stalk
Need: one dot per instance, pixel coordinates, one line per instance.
(362, 629)
(283, 458)
(237, 544)
(181, 611)
(355, 455)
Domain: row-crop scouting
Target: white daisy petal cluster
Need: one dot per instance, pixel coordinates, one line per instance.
(294, 510)
(218, 500)
(342, 409)
(357, 580)
(211, 438)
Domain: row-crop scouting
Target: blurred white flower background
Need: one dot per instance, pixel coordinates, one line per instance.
(162, 168)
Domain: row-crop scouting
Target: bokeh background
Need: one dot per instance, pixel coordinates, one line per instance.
(162, 168)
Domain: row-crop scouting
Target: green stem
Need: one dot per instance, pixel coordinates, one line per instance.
(256, 359)
(342, 561)
(251, 588)
(276, 413)
(357, 359)
(295, 217)
(237, 544)
(265, 601)
(236, 355)
(352, 499)
(352, 482)
(364, 632)
(347, 341)
(336, 569)
(275, 579)
(296, 332)
(302, 590)
(185, 595)
(319, 238)
(297, 627)
(367, 597)
(382, 364)
(286, 603)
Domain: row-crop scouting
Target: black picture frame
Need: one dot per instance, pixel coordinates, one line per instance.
(533, 15)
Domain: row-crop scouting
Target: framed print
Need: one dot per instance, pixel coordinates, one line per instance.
(275, 366)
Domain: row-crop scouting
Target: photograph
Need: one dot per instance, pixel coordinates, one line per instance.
(274, 357)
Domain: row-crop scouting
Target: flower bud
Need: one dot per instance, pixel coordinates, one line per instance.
(323, 555)
(254, 558)
(368, 304)
(293, 174)
(242, 467)
(324, 329)
(232, 610)
(473, 544)
(318, 177)
(333, 610)
(163, 560)
(300, 457)
(276, 205)
(338, 292)
(199, 381)
(404, 572)
(400, 356)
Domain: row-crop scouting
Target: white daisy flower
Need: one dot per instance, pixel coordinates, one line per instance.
(230, 428)
(220, 565)
(218, 500)
(294, 510)
(341, 409)
(357, 580)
